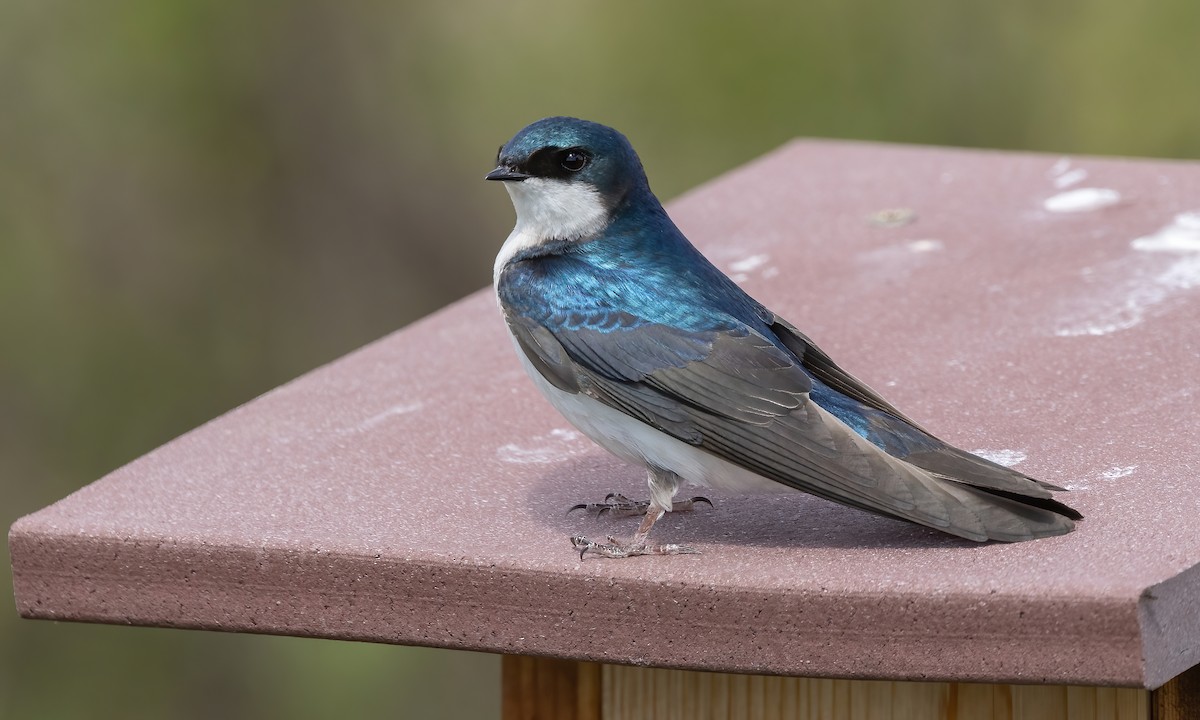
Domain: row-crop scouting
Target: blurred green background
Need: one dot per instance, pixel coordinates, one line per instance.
(201, 200)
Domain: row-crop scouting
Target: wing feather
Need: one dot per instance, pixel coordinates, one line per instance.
(736, 394)
(934, 455)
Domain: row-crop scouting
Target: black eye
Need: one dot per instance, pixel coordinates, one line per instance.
(574, 160)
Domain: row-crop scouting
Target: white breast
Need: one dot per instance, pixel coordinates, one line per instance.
(549, 209)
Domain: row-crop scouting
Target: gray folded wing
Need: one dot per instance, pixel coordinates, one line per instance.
(738, 396)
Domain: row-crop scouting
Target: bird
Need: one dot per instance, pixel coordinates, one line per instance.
(652, 352)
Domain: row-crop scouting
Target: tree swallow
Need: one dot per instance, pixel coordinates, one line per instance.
(652, 352)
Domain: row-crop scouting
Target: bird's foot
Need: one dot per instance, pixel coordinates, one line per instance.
(621, 506)
(615, 548)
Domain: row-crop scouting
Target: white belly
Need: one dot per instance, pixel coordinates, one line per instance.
(641, 444)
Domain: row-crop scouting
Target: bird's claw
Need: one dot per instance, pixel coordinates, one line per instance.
(616, 549)
(616, 503)
(690, 503)
(621, 506)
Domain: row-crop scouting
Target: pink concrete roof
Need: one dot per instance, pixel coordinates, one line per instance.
(1044, 310)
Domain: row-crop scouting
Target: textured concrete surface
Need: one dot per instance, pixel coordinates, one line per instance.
(1044, 310)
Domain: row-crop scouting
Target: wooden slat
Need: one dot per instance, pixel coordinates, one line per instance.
(1040, 702)
(547, 689)
(638, 693)
(1179, 699)
(974, 701)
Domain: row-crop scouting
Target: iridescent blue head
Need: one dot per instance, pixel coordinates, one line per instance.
(567, 177)
(574, 151)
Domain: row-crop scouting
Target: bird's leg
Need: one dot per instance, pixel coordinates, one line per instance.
(663, 484)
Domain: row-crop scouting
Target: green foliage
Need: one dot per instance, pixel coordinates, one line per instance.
(201, 200)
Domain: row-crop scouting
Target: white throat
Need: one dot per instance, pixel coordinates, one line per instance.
(550, 209)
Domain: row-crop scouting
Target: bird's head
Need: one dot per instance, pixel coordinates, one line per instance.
(567, 177)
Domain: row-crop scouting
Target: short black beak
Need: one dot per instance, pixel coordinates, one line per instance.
(505, 173)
